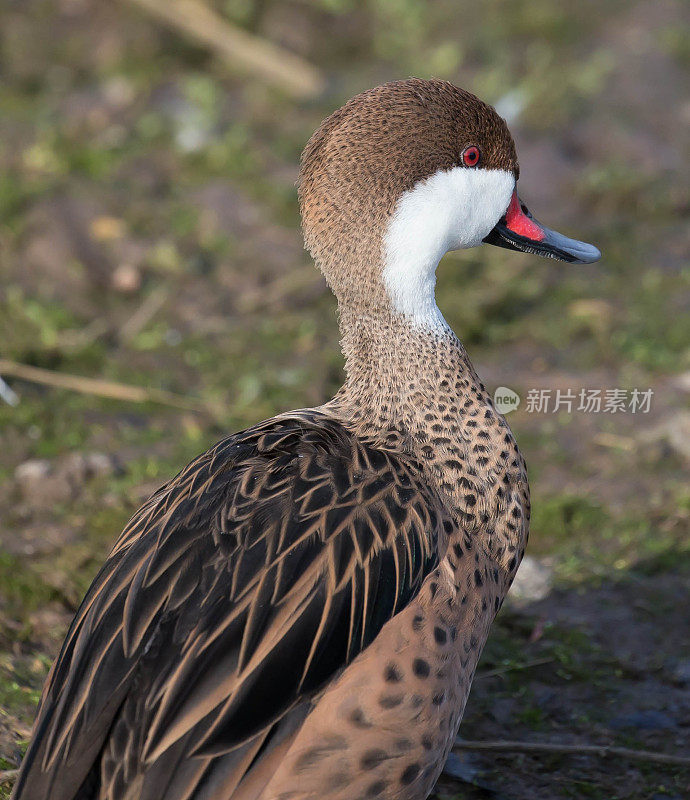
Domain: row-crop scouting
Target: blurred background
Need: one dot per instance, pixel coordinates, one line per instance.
(154, 295)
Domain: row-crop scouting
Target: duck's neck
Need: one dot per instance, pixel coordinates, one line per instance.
(413, 388)
(403, 373)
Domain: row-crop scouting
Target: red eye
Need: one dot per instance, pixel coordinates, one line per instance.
(470, 156)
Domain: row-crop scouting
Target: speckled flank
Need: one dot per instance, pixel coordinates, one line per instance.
(415, 678)
(299, 613)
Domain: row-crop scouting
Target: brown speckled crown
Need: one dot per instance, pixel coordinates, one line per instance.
(370, 151)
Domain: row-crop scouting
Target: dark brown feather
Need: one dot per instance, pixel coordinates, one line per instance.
(231, 598)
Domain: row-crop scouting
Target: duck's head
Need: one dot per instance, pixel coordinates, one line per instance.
(402, 174)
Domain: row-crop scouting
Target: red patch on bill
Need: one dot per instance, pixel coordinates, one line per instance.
(518, 222)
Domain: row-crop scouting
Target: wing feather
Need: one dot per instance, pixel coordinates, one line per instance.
(232, 597)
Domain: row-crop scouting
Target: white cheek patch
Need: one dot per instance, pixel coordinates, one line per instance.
(451, 210)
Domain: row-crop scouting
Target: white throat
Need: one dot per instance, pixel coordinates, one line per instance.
(451, 210)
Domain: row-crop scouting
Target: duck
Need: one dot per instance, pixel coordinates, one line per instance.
(298, 614)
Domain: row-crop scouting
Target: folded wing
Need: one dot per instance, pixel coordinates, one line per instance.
(232, 597)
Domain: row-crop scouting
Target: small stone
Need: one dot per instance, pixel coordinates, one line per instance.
(81, 467)
(126, 278)
(7, 394)
(680, 672)
(100, 463)
(40, 484)
(533, 580)
(460, 766)
(682, 381)
(33, 470)
(673, 434)
(511, 105)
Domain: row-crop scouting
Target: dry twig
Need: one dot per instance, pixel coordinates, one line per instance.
(8, 775)
(601, 750)
(237, 47)
(494, 673)
(100, 388)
